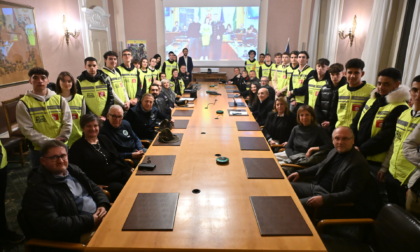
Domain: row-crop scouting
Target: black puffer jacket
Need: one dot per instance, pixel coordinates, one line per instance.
(48, 207)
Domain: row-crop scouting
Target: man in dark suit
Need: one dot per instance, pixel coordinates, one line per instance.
(186, 61)
(341, 178)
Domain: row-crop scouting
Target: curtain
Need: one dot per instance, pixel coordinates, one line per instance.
(332, 22)
(313, 34)
(374, 39)
(412, 60)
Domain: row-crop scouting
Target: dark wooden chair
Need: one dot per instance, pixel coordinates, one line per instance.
(16, 140)
(394, 229)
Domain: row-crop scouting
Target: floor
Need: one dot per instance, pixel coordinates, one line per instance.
(16, 185)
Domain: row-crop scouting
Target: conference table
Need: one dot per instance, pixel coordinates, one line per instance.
(214, 210)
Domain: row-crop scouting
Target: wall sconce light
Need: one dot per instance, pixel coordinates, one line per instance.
(69, 31)
(345, 31)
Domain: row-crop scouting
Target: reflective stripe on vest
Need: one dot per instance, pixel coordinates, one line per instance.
(298, 77)
(46, 116)
(380, 115)
(313, 89)
(282, 77)
(76, 112)
(130, 81)
(250, 65)
(350, 102)
(117, 84)
(399, 167)
(95, 94)
(266, 70)
(168, 68)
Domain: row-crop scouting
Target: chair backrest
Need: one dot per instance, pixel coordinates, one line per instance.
(9, 108)
(395, 229)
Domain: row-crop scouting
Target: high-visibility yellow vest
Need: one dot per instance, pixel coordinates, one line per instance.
(145, 78)
(154, 74)
(350, 102)
(313, 89)
(399, 167)
(266, 70)
(117, 84)
(298, 77)
(46, 116)
(181, 85)
(130, 81)
(3, 162)
(76, 112)
(250, 65)
(282, 78)
(168, 68)
(95, 94)
(380, 115)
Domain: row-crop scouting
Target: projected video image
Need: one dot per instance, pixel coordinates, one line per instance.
(212, 33)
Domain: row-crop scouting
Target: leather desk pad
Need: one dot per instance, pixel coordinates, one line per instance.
(164, 165)
(253, 143)
(248, 126)
(262, 168)
(157, 143)
(179, 112)
(181, 124)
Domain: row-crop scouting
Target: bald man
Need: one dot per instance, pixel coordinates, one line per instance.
(341, 178)
(263, 106)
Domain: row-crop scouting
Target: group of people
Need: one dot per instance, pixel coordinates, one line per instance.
(81, 131)
(351, 133)
(342, 128)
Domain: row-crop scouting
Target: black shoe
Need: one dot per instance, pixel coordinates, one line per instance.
(12, 237)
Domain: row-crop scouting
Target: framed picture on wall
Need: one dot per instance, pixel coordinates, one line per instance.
(19, 46)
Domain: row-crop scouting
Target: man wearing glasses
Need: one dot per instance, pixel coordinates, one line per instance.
(61, 203)
(342, 177)
(121, 134)
(130, 77)
(42, 114)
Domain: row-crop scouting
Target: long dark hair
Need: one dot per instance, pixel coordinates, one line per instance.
(158, 64)
(60, 77)
(253, 97)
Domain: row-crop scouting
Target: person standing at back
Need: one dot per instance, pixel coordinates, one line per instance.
(42, 115)
(352, 96)
(129, 75)
(169, 65)
(120, 93)
(96, 88)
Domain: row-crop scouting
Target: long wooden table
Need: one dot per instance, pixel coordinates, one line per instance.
(221, 216)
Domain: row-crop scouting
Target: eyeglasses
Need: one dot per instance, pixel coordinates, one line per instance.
(116, 116)
(56, 157)
(126, 54)
(414, 90)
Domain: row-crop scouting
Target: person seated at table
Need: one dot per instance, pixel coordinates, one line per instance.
(161, 102)
(306, 138)
(144, 117)
(253, 95)
(97, 157)
(343, 177)
(61, 203)
(185, 76)
(121, 134)
(253, 77)
(262, 107)
(177, 84)
(167, 91)
(236, 77)
(279, 123)
(244, 84)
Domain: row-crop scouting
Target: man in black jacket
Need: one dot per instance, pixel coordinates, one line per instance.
(341, 178)
(60, 203)
(326, 102)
